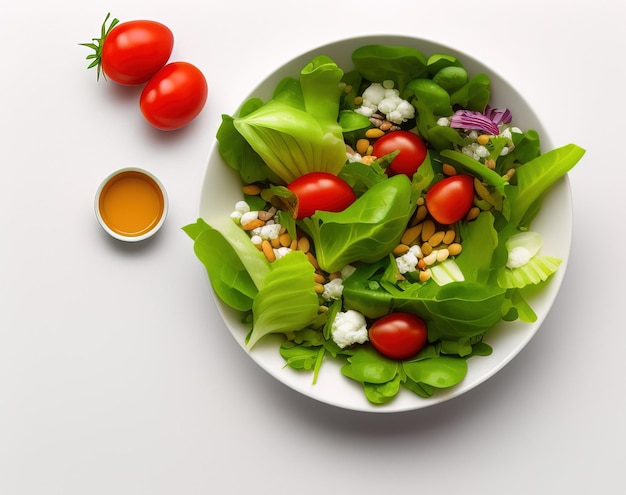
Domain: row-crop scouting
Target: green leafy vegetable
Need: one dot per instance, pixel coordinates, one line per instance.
(287, 301)
(365, 231)
(297, 131)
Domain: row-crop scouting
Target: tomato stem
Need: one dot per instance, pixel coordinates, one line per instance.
(96, 45)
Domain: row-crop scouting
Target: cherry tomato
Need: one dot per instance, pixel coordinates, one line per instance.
(321, 191)
(451, 198)
(398, 335)
(174, 96)
(412, 151)
(131, 52)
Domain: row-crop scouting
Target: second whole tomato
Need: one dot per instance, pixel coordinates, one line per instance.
(399, 335)
(412, 151)
(321, 191)
(174, 96)
(450, 199)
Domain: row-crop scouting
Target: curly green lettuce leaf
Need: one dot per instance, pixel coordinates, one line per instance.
(297, 132)
(287, 301)
(235, 267)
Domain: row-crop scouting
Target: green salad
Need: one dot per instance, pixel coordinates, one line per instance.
(385, 219)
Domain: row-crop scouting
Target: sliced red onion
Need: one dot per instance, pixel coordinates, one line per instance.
(468, 119)
(498, 116)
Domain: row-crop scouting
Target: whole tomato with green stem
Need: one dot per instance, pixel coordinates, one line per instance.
(131, 52)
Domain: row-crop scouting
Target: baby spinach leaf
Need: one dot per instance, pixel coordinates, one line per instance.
(367, 230)
(439, 372)
(368, 366)
(384, 392)
(378, 63)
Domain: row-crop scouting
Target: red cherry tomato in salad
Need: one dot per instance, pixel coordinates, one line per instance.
(450, 199)
(321, 191)
(174, 96)
(133, 51)
(412, 151)
(398, 335)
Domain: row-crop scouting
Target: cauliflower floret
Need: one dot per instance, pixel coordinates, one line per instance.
(383, 98)
(374, 93)
(389, 104)
(349, 328)
(281, 251)
(408, 261)
(269, 231)
(333, 289)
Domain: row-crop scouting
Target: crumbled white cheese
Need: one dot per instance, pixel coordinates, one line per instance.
(349, 328)
(333, 289)
(408, 261)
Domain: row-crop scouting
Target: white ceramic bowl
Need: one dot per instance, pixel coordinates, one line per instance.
(221, 189)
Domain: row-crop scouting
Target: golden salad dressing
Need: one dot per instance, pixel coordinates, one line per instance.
(131, 203)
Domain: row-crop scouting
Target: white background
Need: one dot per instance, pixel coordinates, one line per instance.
(117, 374)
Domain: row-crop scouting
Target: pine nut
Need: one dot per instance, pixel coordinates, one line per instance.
(436, 238)
(374, 133)
(411, 234)
(304, 245)
(448, 169)
(319, 278)
(431, 258)
(268, 251)
(428, 229)
(285, 240)
(442, 254)
(312, 260)
(454, 249)
(385, 126)
(251, 189)
(426, 249)
(482, 191)
(424, 276)
(449, 237)
(319, 288)
(368, 159)
(473, 213)
(254, 224)
(483, 139)
(275, 242)
(361, 146)
(400, 249)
